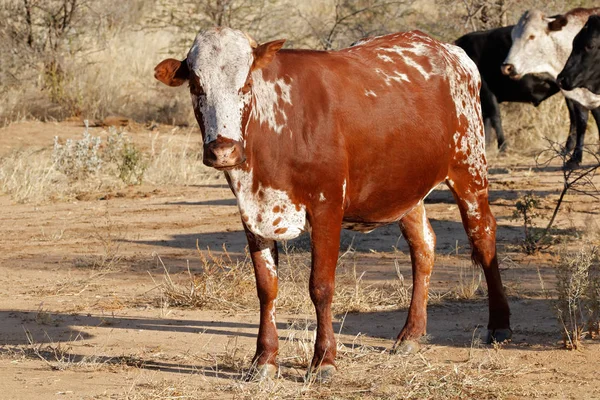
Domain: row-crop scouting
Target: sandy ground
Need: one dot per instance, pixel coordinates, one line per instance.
(69, 331)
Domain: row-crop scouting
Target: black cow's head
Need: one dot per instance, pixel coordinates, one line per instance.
(583, 66)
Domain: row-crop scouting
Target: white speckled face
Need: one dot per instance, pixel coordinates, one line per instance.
(221, 59)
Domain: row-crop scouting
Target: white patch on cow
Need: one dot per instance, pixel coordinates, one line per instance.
(464, 81)
(267, 256)
(536, 49)
(270, 98)
(385, 58)
(488, 230)
(370, 93)
(397, 76)
(267, 212)
(450, 183)
(472, 209)
(221, 59)
(272, 313)
(343, 193)
(473, 231)
(417, 48)
(584, 97)
(322, 197)
(428, 235)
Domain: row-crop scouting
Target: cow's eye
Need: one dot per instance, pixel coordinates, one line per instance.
(587, 48)
(531, 37)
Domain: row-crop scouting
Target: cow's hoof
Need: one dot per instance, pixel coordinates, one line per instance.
(571, 165)
(498, 335)
(323, 374)
(406, 347)
(261, 373)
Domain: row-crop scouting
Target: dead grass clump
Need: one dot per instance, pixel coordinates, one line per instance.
(30, 176)
(578, 287)
(221, 284)
(469, 283)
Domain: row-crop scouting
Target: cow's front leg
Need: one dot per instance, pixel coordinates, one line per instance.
(325, 244)
(265, 260)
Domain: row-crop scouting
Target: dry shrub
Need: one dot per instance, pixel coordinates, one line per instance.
(222, 284)
(578, 287)
(469, 282)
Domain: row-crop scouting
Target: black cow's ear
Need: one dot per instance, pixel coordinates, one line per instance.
(558, 23)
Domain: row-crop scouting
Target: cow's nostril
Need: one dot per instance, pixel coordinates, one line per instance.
(507, 69)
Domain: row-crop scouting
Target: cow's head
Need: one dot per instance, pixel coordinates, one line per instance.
(218, 68)
(582, 68)
(536, 45)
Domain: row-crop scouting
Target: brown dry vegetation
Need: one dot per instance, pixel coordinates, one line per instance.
(119, 287)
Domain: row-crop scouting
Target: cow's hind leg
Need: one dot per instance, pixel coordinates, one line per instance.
(480, 225)
(421, 241)
(265, 259)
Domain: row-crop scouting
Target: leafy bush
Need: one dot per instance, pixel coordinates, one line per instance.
(78, 159)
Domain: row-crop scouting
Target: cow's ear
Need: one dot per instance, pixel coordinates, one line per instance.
(265, 53)
(172, 72)
(557, 23)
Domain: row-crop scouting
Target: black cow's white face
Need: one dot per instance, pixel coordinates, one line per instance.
(582, 69)
(537, 43)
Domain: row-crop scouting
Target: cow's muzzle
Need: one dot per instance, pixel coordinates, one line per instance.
(510, 70)
(564, 82)
(223, 153)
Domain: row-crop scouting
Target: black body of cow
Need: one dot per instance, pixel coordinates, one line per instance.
(489, 50)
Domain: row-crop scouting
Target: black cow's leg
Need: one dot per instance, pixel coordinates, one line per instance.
(572, 126)
(596, 114)
(491, 116)
(581, 117)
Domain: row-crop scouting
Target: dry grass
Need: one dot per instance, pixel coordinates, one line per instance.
(365, 372)
(36, 176)
(578, 287)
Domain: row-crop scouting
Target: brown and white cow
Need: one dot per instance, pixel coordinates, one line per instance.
(356, 138)
(542, 45)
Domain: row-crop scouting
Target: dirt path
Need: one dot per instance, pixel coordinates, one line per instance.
(82, 315)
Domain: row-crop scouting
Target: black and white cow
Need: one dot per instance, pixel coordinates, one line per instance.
(488, 49)
(542, 45)
(583, 66)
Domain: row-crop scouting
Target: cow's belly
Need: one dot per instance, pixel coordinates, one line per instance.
(364, 218)
(583, 97)
(268, 213)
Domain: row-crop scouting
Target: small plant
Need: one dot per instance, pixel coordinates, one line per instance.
(127, 157)
(578, 286)
(78, 159)
(525, 210)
